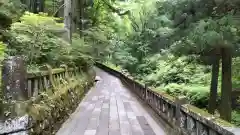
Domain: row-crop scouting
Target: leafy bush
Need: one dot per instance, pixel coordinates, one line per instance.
(197, 95)
(81, 52)
(33, 37)
(10, 11)
(2, 49)
(236, 117)
(170, 69)
(38, 38)
(236, 72)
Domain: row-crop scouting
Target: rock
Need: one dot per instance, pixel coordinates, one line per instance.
(97, 78)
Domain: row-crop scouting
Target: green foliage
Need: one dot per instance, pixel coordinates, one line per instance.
(236, 118)
(49, 110)
(170, 69)
(52, 6)
(209, 34)
(38, 38)
(236, 72)
(34, 38)
(196, 94)
(2, 49)
(81, 53)
(170, 43)
(10, 11)
(112, 66)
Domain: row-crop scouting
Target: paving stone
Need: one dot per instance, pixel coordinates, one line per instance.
(147, 130)
(90, 132)
(109, 108)
(127, 107)
(103, 123)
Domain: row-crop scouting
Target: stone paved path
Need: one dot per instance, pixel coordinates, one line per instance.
(111, 109)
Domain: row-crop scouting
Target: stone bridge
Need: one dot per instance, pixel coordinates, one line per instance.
(118, 105)
(110, 108)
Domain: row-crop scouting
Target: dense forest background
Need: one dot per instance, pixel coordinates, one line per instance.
(181, 47)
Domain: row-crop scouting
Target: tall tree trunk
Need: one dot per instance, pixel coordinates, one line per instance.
(212, 105)
(81, 13)
(226, 108)
(42, 6)
(38, 6)
(68, 19)
(74, 15)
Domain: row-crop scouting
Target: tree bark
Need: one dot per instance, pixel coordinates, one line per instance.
(38, 6)
(74, 15)
(68, 19)
(226, 108)
(212, 105)
(81, 17)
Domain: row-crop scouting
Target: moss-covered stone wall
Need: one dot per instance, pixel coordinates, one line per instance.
(49, 110)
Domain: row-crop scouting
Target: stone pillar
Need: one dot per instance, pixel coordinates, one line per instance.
(14, 79)
(14, 88)
(66, 71)
(179, 101)
(146, 93)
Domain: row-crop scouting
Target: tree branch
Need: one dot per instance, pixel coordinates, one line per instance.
(118, 11)
(54, 14)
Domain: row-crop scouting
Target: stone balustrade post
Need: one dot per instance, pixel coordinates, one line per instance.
(66, 71)
(14, 79)
(146, 93)
(51, 78)
(14, 75)
(179, 102)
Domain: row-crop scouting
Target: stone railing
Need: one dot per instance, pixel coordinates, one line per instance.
(43, 80)
(18, 87)
(21, 85)
(183, 117)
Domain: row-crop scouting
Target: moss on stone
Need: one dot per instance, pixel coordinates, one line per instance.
(58, 70)
(50, 112)
(223, 123)
(198, 111)
(167, 96)
(52, 107)
(192, 109)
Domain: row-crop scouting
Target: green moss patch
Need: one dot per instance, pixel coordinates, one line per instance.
(49, 110)
(208, 119)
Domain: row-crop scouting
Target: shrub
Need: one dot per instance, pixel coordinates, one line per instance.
(81, 52)
(2, 49)
(34, 38)
(10, 11)
(236, 117)
(170, 69)
(197, 95)
(236, 72)
(38, 38)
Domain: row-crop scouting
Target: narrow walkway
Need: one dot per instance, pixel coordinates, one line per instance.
(109, 108)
